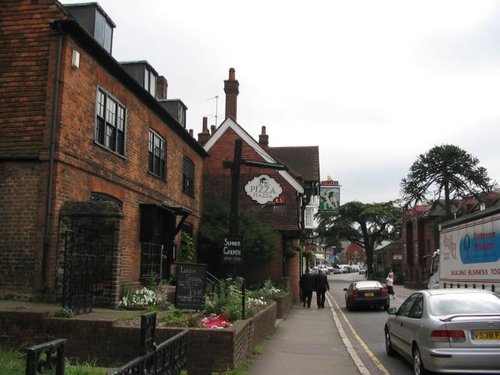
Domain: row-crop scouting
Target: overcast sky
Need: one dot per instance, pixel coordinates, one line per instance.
(372, 83)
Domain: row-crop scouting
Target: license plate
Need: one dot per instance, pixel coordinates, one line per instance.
(369, 294)
(487, 335)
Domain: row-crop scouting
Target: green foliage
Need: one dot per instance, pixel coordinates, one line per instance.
(258, 350)
(177, 318)
(228, 299)
(444, 172)
(366, 224)
(152, 282)
(186, 251)
(64, 313)
(260, 241)
(84, 368)
(14, 363)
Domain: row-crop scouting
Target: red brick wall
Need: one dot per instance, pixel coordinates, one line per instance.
(208, 350)
(20, 249)
(24, 63)
(280, 217)
(27, 58)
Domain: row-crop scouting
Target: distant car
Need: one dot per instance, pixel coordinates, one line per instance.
(336, 269)
(354, 268)
(366, 293)
(323, 268)
(447, 330)
(362, 271)
(345, 268)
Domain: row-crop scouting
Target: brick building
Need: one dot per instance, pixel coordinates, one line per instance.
(420, 235)
(97, 172)
(294, 188)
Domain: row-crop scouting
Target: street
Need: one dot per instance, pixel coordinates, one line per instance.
(364, 329)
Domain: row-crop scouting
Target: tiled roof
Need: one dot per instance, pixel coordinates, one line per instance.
(301, 159)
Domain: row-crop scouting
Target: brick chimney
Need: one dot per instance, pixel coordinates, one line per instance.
(204, 136)
(263, 138)
(212, 129)
(161, 88)
(231, 89)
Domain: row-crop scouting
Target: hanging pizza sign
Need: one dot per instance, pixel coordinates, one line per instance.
(263, 189)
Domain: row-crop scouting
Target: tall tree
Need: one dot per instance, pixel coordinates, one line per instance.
(366, 224)
(446, 173)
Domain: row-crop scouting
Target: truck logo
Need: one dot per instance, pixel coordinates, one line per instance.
(480, 247)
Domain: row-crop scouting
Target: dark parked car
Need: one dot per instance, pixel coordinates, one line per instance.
(366, 293)
(447, 330)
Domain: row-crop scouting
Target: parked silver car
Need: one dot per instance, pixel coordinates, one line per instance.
(447, 330)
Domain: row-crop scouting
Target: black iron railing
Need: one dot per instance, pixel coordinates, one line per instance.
(46, 357)
(168, 358)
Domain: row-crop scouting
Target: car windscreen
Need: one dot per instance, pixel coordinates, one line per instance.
(368, 284)
(467, 303)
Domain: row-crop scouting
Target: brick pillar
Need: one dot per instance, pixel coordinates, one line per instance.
(263, 138)
(231, 88)
(294, 274)
(204, 136)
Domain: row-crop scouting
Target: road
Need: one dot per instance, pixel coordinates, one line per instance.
(365, 330)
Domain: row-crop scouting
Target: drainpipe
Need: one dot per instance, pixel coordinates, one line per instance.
(50, 181)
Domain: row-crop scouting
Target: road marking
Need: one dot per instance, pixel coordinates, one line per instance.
(361, 367)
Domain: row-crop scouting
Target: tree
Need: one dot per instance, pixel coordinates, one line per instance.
(366, 224)
(260, 241)
(444, 172)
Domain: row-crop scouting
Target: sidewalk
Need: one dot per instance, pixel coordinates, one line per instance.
(309, 342)
(306, 342)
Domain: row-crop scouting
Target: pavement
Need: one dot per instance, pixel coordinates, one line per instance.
(308, 341)
(311, 341)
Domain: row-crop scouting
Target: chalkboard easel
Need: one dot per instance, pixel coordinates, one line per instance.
(191, 283)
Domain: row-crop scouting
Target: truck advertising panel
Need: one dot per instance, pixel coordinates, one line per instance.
(470, 249)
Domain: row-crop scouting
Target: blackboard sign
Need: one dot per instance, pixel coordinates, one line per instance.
(190, 290)
(232, 250)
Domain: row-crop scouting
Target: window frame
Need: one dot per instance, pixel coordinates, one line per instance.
(110, 131)
(188, 175)
(158, 169)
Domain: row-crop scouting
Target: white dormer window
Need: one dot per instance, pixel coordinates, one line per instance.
(150, 81)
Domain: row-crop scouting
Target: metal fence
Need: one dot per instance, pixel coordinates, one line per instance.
(168, 358)
(46, 357)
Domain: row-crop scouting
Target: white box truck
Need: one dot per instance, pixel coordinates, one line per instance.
(469, 253)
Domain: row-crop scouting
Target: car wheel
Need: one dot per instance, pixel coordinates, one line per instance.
(388, 345)
(386, 307)
(418, 366)
(348, 304)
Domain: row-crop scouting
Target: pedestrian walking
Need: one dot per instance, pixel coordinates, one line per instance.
(321, 286)
(306, 288)
(389, 282)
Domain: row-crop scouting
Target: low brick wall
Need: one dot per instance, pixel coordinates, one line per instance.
(284, 304)
(112, 344)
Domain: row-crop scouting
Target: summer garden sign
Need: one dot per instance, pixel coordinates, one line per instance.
(232, 250)
(191, 282)
(263, 189)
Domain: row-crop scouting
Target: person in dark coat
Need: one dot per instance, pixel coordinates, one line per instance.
(306, 288)
(321, 286)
